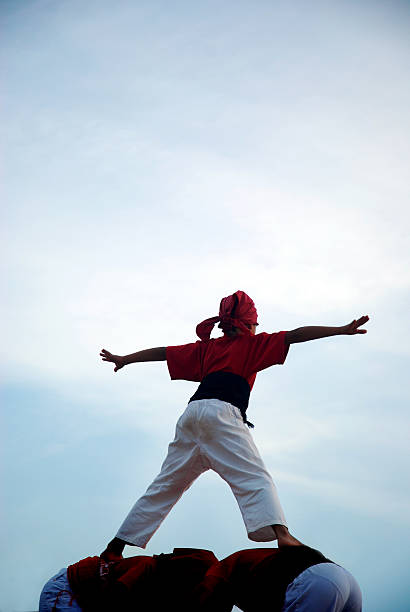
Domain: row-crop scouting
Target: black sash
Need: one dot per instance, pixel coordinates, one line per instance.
(226, 387)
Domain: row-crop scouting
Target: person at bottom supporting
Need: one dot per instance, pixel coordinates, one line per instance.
(144, 583)
(286, 579)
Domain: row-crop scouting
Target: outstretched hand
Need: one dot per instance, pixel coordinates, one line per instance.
(353, 327)
(117, 359)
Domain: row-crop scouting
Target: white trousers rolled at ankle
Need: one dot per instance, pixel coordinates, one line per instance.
(210, 435)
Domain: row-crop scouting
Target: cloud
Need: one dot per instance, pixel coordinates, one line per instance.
(361, 500)
(159, 160)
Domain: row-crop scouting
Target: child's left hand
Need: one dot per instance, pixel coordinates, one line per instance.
(352, 328)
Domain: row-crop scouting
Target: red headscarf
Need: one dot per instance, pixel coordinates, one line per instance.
(237, 310)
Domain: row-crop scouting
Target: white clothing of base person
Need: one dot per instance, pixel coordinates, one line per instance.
(325, 587)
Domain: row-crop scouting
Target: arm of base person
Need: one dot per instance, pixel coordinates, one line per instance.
(152, 354)
(303, 334)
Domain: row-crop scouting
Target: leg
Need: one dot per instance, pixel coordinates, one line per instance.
(284, 537)
(231, 452)
(181, 467)
(325, 587)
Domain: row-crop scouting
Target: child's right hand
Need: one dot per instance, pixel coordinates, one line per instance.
(117, 359)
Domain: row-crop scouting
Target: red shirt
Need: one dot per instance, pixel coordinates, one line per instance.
(90, 578)
(152, 583)
(254, 579)
(243, 355)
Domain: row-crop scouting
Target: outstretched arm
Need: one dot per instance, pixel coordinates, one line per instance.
(303, 334)
(152, 354)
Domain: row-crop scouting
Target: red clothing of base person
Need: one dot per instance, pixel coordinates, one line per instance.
(254, 579)
(160, 582)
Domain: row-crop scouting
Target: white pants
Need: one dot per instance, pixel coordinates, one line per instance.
(210, 434)
(325, 587)
(57, 595)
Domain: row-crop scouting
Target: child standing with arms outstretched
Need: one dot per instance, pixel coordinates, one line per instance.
(213, 431)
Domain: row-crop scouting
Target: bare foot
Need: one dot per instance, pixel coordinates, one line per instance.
(284, 537)
(109, 556)
(113, 552)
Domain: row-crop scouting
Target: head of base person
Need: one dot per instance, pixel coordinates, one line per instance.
(237, 316)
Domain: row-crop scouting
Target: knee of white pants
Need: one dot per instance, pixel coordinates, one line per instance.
(325, 587)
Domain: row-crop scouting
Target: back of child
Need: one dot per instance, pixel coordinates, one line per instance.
(212, 433)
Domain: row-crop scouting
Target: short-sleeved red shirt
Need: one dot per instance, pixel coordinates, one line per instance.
(153, 583)
(251, 578)
(242, 355)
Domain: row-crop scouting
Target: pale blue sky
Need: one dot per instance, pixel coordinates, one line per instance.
(156, 158)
